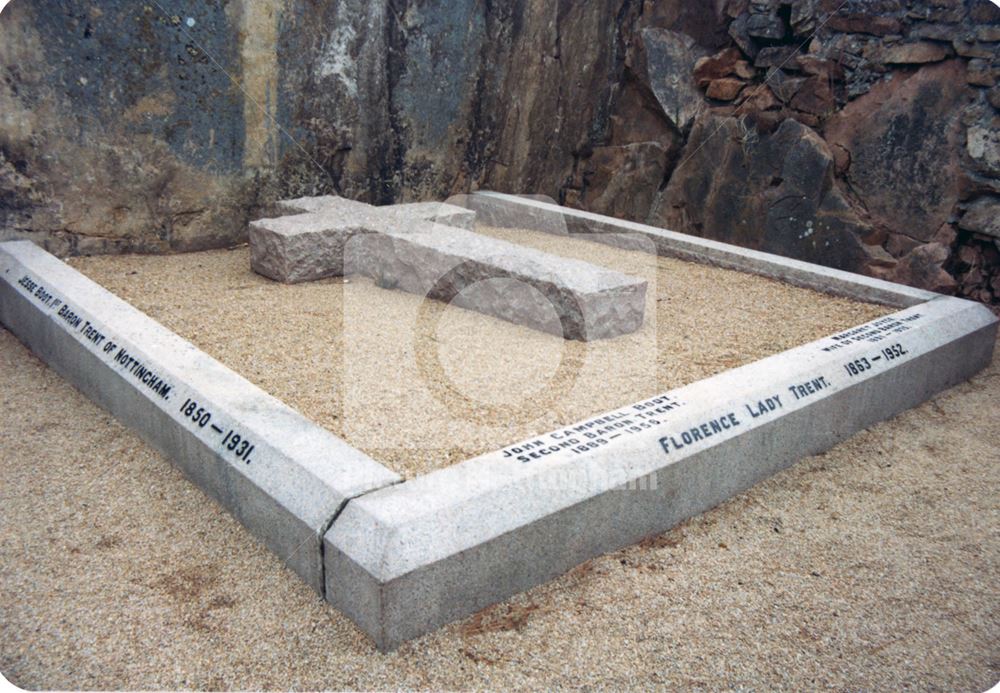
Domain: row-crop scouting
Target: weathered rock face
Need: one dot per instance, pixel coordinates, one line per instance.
(903, 140)
(670, 61)
(116, 132)
(122, 128)
(774, 192)
(894, 166)
(549, 78)
(622, 181)
(125, 128)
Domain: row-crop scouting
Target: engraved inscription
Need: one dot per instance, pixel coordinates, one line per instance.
(193, 415)
(873, 332)
(809, 387)
(862, 364)
(234, 442)
(702, 431)
(595, 433)
(763, 407)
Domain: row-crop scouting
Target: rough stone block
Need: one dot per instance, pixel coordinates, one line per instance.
(401, 249)
(570, 298)
(300, 248)
(437, 212)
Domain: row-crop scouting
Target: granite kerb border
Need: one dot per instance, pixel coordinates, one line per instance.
(404, 557)
(517, 211)
(279, 474)
(445, 544)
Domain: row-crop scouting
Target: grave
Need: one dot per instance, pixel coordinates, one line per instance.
(429, 250)
(462, 383)
(402, 558)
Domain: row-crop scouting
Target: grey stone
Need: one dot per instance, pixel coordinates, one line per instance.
(975, 49)
(300, 248)
(404, 560)
(785, 57)
(803, 17)
(988, 33)
(980, 73)
(670, 58)
(394, 246)
(766, 26)
(993, 97)
(784, 86)
(292, 477)
(983, 140)
(738, 32)
(937, 32)
(982, 216)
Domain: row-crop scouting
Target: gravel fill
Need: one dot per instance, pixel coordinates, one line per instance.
(419, 385)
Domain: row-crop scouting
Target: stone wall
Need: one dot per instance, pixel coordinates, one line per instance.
(863, 136)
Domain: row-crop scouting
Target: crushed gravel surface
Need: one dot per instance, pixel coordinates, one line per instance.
(419, 385)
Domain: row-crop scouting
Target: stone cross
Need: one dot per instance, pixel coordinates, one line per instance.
(430, 249)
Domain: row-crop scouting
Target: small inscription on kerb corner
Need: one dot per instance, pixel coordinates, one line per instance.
(874, 332)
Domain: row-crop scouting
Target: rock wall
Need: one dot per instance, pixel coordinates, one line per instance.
(862, 135)
(859, 134)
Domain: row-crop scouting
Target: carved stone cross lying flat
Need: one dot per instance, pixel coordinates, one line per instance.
(430, 249)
